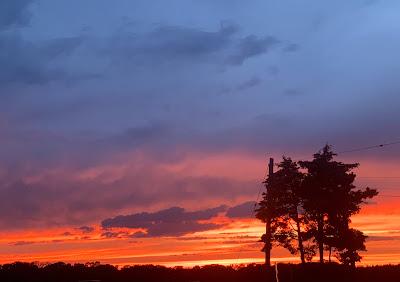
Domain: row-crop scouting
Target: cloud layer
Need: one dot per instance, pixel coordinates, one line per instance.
(174, 221)
(102, 116)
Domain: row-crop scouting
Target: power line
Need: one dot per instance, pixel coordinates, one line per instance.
(370, 147)
(359, 149)
(378, 146)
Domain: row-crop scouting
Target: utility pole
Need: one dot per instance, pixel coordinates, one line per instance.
(268, 244)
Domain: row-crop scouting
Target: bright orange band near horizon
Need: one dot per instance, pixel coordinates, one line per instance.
(235, 243)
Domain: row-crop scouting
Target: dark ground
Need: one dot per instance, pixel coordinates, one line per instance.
(61, 272)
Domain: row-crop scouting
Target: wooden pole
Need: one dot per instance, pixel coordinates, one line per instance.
(268, 244)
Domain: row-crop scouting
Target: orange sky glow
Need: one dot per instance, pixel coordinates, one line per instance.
(235, 243)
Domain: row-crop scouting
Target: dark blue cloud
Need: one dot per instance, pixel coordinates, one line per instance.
(244, 210)
(254, 81)
(168, 44)
(177, 45)
(25, 62)
(14, 13)
(251, 46)
(174, 221)
(86, 229)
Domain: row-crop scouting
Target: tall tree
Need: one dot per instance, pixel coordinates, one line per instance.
(330, 196)
(289, 179)
(283, 200)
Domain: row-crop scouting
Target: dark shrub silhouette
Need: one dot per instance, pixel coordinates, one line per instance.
(310, 272)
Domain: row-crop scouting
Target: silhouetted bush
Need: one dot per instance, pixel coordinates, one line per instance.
(62, 272)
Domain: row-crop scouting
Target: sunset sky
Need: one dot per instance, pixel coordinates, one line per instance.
(118, 114)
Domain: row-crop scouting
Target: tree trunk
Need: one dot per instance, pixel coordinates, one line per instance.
(300, 240)
(321, 239)
(330, 253)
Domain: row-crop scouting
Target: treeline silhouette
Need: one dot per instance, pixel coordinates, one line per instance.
(311, 272)
(307, 208)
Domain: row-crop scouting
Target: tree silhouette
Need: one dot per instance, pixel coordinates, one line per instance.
(293, 233)
(330, 198)
(351, 241)
(64, 272)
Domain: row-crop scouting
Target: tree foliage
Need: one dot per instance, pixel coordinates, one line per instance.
(311, 204)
